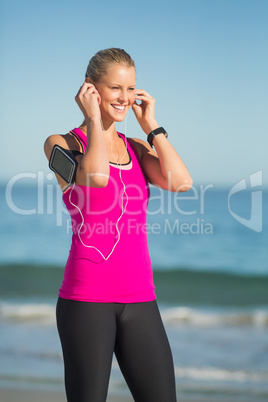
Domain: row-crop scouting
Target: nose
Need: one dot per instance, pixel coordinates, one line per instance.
(123, 96)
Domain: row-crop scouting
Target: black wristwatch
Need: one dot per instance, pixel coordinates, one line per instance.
(159, 130)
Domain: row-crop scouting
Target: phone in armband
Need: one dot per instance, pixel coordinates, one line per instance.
(62, 161)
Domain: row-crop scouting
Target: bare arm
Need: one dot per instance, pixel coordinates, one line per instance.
(163, 168)
(93, 167)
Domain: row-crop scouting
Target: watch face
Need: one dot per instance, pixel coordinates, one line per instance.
(159, 130)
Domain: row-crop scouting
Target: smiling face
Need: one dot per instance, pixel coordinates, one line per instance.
(117, 92)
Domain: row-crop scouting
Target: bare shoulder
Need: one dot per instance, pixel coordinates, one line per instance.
(50, 142)
(141, 146)
(66, 141)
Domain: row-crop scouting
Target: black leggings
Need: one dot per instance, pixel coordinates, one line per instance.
(91, 332)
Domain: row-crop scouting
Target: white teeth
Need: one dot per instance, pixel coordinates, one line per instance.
(119, 107)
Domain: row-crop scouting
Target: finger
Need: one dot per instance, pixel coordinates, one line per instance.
(142, 92)
(144, 98)
(79, 90)
(135, 108)
(139, 90)
(138, 107)
(135, 104)
(90, 90)
(87, 88)
(88, 85)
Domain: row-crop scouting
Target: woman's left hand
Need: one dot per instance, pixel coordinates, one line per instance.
(144, 111)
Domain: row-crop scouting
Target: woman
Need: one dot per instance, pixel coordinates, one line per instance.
(107, 302)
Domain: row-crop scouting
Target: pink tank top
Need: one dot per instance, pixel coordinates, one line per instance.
(123, 275)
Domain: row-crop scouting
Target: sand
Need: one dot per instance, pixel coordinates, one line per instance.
(33, 395)
(23, 395)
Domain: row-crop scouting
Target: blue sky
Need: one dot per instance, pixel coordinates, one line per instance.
(205, 62)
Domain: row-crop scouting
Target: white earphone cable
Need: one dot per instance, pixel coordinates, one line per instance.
(123, 207)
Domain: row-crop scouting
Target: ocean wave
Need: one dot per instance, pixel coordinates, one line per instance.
(198, 317)
(39, 313)
(44, 313)
(212, 375)
(176, 286)
(219, 374)
(30, 380)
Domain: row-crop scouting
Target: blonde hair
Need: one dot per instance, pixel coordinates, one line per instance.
(98, 64)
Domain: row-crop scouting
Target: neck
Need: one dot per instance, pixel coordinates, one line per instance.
(108, 129)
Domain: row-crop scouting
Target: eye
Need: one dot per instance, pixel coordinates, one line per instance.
(115, 88)
(132, 89)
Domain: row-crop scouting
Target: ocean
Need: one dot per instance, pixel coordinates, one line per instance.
(209, 253)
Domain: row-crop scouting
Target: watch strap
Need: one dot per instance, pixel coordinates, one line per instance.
(152, 134)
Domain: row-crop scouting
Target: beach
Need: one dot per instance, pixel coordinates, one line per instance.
(211, 288)
(22, 395)
(30, 395)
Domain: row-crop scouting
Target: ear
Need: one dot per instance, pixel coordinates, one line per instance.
(88, 80)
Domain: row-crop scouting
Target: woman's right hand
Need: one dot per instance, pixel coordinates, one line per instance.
(88, 100)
